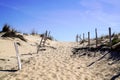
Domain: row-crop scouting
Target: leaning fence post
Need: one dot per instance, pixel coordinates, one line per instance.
(18, 57)
(40, 44)
(96, 37)
(89, 39)
(110, 37)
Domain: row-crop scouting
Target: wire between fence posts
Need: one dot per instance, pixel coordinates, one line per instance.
(18, 56)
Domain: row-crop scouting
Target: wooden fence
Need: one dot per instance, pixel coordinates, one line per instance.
(42, 44)
(43, 40)
(96, 38)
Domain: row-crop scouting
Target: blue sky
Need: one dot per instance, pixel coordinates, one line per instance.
(64, 18)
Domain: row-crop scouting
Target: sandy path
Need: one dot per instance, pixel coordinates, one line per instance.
(55, 64)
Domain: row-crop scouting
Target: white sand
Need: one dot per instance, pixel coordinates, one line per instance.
(56, 64)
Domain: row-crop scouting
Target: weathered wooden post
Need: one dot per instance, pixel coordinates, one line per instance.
(83, 37)
(46, 33)
(80, 38)
(77, 38)
(110, 38)
(96, 38)
(18, 56)
(40, 44)
(49, 34)
(45, 38)
(89, 39)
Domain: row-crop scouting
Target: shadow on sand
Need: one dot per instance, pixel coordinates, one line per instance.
(8, 70)
(97, 60)
(115, 77)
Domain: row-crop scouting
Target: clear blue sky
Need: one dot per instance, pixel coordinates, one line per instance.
(64, 18)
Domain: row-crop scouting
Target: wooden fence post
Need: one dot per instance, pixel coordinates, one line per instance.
(83, 37)
(89, 39)
(77, 38)
(45, 38)
(18, 56)
(110, 38)
(96, 37)
(46, 33)
(80, 38)
(40, 44)
(49, 34)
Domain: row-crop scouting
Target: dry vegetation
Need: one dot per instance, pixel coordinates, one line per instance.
(9, 32)
(12, 33)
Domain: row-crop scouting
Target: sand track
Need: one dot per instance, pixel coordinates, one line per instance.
(50, 65)
(56, 64)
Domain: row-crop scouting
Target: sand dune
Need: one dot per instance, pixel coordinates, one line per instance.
(55, 63)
